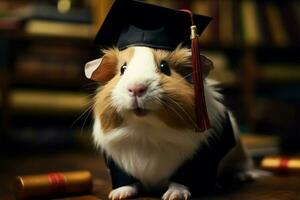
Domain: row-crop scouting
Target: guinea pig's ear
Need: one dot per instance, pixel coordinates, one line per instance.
(91, 66)
(102, 69)
(206, 64)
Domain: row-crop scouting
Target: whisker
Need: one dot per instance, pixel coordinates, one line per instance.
(87, 110)
(168, 106)
(86, 117)
(184, 77)
(182, 109)
(177, 81)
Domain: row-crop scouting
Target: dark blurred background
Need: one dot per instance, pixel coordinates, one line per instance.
(45, 98)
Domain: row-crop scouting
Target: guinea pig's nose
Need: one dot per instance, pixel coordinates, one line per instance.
(137, 90)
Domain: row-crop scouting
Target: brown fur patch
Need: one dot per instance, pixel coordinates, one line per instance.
(109, 117)
(125, 56)
(111, 62)
(181, 61)
(177, 59)
(177, 109)
(107, 68)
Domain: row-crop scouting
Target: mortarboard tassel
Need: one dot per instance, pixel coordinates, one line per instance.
(202, 119)
(200, 105)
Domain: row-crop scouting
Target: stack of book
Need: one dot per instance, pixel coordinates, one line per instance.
(49, 63)
(48, 18)
(50, 21)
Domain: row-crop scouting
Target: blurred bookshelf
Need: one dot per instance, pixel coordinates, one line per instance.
(254, 45)
(44, 94)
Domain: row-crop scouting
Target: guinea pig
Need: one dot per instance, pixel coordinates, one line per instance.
(144, 124)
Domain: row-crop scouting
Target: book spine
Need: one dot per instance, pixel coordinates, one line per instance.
(49, 12)
(278, 32)
(279, 73)
(290, 22)
(59, 29)
(251, 29)
(226, 22)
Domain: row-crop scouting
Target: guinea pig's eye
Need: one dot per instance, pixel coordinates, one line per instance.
(123, 68)
(164, 68)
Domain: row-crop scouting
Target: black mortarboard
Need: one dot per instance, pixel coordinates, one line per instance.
(131, 22)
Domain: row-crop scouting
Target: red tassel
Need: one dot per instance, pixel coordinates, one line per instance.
(202, 119)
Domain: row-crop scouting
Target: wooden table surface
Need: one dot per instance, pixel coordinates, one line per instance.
(267, 188)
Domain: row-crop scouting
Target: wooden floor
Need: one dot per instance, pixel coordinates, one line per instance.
(270, 188)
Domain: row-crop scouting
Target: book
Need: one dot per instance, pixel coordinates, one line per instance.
(59, 29)
(32, 69)
(251, 27)
(226, 22)
(44, 101)
(279, 72)
(60, 52)
(276, 27)
(261, 145)
(52, 13)
(48, 10)
(14, 14)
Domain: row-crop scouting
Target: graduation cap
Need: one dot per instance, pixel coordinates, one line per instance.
(136, 23)
(131, 22)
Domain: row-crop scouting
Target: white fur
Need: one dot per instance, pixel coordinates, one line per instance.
(144, 146)
(176, 191)
(150, 153)
(123, 192)
(215, 108)
(140, 70)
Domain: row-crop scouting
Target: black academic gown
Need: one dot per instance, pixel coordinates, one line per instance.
(198, 173)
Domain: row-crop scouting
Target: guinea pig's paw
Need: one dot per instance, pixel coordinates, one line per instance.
(250, 175)
(124, 192)
(176, 192)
